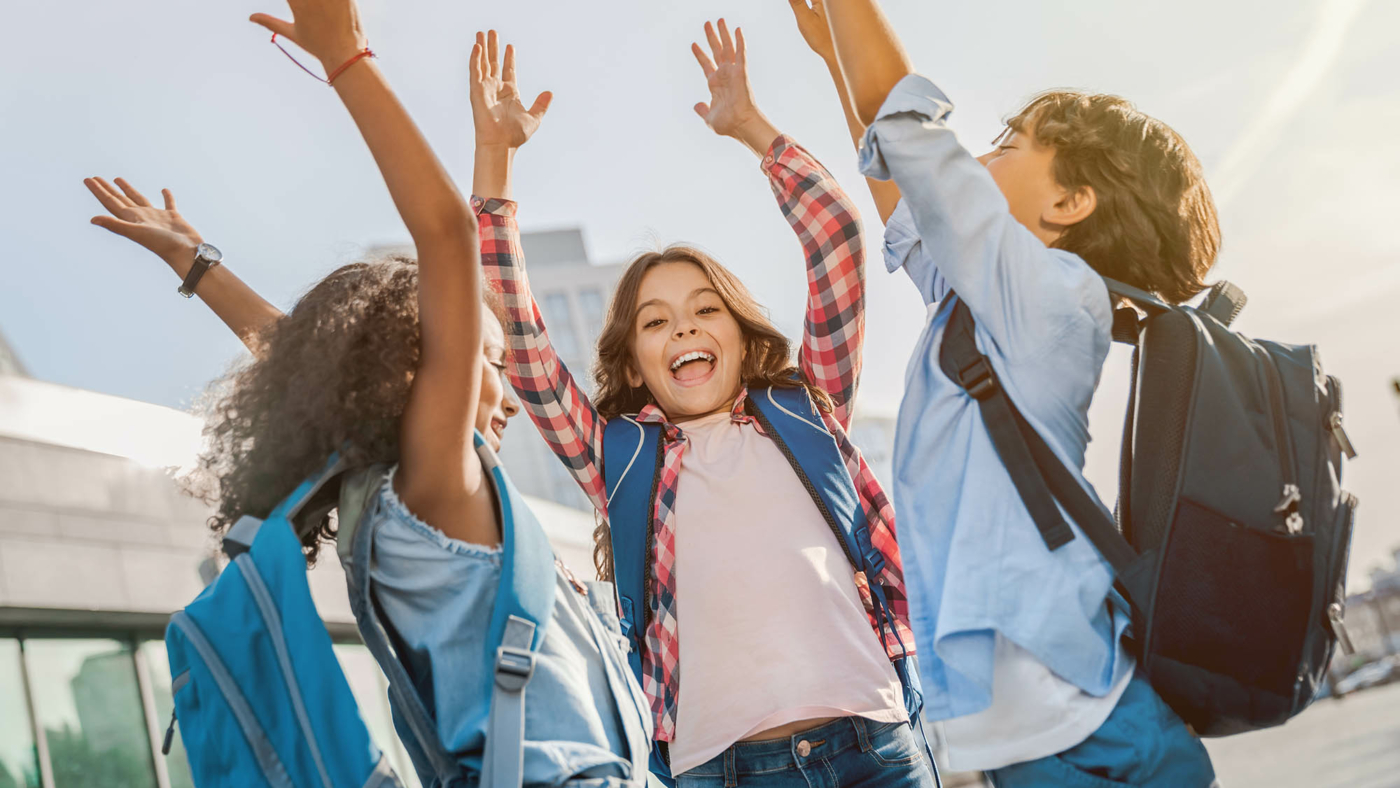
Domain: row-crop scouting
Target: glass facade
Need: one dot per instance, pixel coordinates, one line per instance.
(86, 697)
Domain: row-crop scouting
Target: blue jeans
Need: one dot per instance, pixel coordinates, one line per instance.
(1142, 743)
(843, 753)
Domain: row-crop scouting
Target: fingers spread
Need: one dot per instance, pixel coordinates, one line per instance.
(110, 198)
(169, 199)
(703, 110)
(493, 59)
(478, 66)
(117, 226)
(740, 53)
(715, 45)
(706, 65)
(132, 194)
(726, 41)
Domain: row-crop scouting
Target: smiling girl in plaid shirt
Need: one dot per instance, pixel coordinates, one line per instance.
(784, 667)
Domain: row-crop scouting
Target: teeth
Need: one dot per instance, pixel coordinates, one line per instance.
(691, 356)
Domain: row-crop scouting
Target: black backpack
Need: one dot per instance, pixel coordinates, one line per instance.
(1232, 532)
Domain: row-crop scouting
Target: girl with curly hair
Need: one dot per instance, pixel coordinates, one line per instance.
(397, 362)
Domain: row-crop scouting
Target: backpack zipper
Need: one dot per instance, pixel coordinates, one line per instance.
(175, 686)
(1289, 504)
(806, 482)
(1334, 420)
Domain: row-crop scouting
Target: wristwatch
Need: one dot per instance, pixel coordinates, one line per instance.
(206, 256)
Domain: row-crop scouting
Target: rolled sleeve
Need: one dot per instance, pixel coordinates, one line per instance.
(904, 249)
(913, 99)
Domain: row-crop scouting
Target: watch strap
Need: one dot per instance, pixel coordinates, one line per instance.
(197, 271)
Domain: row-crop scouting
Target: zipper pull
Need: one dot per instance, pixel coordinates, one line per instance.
(1339, 628)
(1334, 423)
(1291, 498)
(169, 735)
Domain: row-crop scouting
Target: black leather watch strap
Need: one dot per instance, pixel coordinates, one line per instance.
(196, 273)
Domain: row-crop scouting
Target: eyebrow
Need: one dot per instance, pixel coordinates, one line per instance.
(658, 302)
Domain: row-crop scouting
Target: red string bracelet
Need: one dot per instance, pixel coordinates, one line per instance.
(361, 55)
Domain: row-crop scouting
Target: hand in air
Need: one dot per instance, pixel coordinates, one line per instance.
(328, 29)
(162, 230)
(500, 117)
(811, 22)
(731, 111)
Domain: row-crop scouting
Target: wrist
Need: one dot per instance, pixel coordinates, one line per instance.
(181, 259)
(491, 173)
(757, 134)
(342, 53)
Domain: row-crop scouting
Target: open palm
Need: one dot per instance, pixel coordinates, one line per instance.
(500, 117)
(731, 104)
(161, 230)
(811, 22)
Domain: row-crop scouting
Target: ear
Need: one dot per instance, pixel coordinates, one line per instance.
(1071, 208)
(634, 379)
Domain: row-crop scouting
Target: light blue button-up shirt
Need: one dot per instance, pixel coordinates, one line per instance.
(974, 563)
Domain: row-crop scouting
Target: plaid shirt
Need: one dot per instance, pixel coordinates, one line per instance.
(828, 226)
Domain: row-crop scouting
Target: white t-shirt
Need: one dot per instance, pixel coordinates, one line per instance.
(772, 629)
(1035, 713)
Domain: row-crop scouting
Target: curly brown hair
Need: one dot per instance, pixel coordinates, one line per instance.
(768, 359)
(1154, 225)
(333, 374)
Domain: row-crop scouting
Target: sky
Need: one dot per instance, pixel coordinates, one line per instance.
(1291, 105)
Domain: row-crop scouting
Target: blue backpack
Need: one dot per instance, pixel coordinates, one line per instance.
(259, 694)
(632, 459)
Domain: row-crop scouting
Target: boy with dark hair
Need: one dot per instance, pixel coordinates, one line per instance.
(1021, 646)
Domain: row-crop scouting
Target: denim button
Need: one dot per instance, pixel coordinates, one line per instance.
(804, 748)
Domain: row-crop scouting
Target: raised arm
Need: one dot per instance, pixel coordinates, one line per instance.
(555, 401)
(439, 476)
(811, 22)
(169, 236)
(818, 210)
(868, 52)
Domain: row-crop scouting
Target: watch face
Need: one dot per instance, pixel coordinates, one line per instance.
(209, 252)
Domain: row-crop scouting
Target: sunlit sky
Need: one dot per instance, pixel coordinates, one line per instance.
(1292, 106)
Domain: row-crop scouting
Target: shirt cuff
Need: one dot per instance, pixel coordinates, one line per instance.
(912, 96)
(495, 206)
(901, 237)
(783, 146)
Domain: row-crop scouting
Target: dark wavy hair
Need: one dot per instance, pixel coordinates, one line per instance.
(768, 361)
(333, 374)
(1154, 225)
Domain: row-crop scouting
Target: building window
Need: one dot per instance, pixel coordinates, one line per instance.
(559, 317)
(590, 301)
(19, 762)
(89, 707)
(157, 663)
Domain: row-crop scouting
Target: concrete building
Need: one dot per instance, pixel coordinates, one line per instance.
(98, 546)
(1373, 619)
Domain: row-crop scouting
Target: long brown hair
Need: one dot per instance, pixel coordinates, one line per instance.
(333, 374)
(1154, 225)
(767, 362)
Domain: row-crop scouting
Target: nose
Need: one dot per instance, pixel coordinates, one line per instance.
(684, 330)
(510, 404)
(984, 158)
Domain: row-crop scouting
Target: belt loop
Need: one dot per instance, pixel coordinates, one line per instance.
(731, 775)
(862, 735)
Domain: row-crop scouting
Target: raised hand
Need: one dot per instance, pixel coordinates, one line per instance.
(501, 118)
(162, 230)
(328, 29)
(811, 22)
(731, 111)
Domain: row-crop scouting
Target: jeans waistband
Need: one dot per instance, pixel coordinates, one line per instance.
(795, 751)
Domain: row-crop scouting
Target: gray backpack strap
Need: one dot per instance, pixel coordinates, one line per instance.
(503, 763)
(356, 490)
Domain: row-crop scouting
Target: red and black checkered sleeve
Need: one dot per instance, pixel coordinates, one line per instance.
(556, 403)
(828, 225)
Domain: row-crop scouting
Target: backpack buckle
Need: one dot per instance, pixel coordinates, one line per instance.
(514, 667)
(978, 379)
(874, 563)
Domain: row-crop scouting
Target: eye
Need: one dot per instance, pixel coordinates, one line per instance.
(653, 323)
(707, 310)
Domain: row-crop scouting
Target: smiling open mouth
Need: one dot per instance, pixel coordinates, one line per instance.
(693, 365)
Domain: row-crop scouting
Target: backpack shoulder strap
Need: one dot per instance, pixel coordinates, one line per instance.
(631, 469)
(523, 610)
(1040, 477)
(793, 422)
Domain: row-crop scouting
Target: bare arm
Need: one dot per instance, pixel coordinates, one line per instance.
(440, 478)
(811, 22)
(173, 239)
(869, 53)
